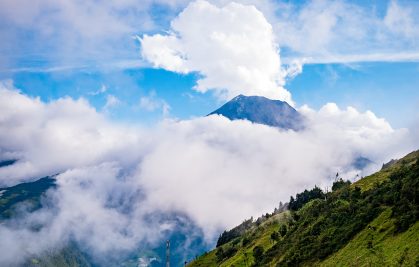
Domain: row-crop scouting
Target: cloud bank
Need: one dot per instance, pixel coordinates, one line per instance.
(116, 181)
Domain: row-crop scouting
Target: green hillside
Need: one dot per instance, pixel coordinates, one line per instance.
(371, 222)
(69, 256)
(24, 196)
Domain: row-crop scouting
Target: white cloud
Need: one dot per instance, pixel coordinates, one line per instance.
(153, 103)
(113, 178)
(341, 31)
(401, 20)
(91, 34)
(71, 130)
(103, 88)
(232, 47)
(65, 34)
(98, 34)
(111, 102)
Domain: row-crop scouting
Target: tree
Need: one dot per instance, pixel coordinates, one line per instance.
(219, 254)
(340, 184)
(304, 197)
(283, 230)
(275, 236)
(258, 254)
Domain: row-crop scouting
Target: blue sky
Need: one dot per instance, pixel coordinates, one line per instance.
(48, 54)
(388, 89)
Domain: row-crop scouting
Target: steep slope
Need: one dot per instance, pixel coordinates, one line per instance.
(262, 110)
(378, 246)
(371, 222)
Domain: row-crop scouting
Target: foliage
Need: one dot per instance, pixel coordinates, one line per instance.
(237, 231)
(258, 254)
(275, 236)
(228, 252)
(340, 184)
(405, 198)
(305, 197)
(385, 249)
(283, 230)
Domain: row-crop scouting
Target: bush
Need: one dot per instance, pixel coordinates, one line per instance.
(258, 254)
(275, 236)
(283, 230)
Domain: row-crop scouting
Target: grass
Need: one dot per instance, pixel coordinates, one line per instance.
(376, 245)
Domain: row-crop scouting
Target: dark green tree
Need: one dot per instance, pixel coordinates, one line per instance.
(275, 236)
(258, 254)
(283, 230)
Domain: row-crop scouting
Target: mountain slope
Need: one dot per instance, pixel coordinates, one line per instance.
(371, 222)
(377, 245)
(25, 195)
(262, 110)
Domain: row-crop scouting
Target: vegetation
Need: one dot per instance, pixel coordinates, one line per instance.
(371, 222)
(26, 196)
(237, 231)
(68, 256)
(305, 197)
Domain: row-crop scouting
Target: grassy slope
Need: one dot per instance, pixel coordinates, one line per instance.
(385, 249)
(260, 236)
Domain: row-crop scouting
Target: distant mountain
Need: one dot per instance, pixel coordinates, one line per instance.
(259, 109)
(361, 163)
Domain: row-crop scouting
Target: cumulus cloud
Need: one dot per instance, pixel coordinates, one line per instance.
(71, 130)
(115, 179)
(232, 47)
